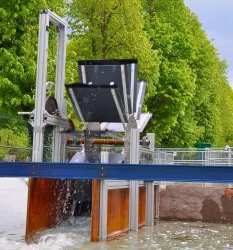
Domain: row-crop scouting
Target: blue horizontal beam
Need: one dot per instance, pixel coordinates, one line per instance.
(175, 173)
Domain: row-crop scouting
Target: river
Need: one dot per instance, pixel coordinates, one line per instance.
(75, 233)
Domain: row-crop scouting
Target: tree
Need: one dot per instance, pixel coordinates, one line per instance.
(186, 108)
(106, 29)
(19, 23)
(166, 23)
(18, 49)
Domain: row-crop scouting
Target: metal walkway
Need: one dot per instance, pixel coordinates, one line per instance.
(174, 173)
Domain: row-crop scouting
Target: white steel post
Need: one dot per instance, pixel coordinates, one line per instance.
(151, 137)
(103, 201)
(157, 201)
(150, 204)
(208, 161)
(229, 163)
(46, 17)
(58, 138)
(133, 185)
(38, 126)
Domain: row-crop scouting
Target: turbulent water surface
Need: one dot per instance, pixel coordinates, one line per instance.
(75, 234)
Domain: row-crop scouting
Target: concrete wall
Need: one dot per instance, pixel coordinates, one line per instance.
(13, 204)
(196, 203)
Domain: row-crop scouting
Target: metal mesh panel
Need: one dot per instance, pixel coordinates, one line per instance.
(15, 138)
(146, 156)
(12, 154)
(193, 156)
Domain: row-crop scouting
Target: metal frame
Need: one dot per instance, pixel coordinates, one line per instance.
(150, 204)
(55, 120)
(124, 90)
(59, 142)
(76, 105)
(132, 86)
(83, 75)
(103, 201)
(140, 98)
(157, 189)
(120, 112)
(47, 17)
(116, 184)
(134, 185)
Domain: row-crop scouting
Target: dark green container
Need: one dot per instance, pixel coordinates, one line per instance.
(201, 147)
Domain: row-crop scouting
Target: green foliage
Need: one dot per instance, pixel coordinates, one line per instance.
(16, 143)
(14, 132)
(9, 138)
(188, 92)
(186, 108)
(18, 50)
(18, 59)
(106, 29)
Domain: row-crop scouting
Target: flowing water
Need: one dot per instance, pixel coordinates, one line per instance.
(75, 234)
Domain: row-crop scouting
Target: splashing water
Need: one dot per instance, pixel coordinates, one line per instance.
(74, 232)
(75, 235)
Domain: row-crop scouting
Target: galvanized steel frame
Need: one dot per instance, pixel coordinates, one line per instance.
(47, 17)
(150, 204)
(134, 185)
(103, 201)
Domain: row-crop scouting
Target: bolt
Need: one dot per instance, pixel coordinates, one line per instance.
(33, 173)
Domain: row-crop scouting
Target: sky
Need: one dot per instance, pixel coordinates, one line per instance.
(217, 19)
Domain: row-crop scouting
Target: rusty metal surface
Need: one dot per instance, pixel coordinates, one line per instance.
(102, 141)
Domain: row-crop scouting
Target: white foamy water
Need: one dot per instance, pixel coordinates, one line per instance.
(75, 234)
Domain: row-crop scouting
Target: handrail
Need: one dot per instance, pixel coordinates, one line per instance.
(146, 172)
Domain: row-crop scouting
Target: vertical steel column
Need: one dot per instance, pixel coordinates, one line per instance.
(229, 163)
(103, 201)
(157, 201)
(133, 185)
(207, 162)
(38, 133)
(58, 138)
(151, 137)
(38, 126)
(150, 204)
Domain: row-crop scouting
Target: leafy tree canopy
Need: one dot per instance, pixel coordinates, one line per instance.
(188, 91)
(18, 50)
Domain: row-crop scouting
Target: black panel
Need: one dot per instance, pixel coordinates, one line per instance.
(128, 86)
(96, 102)
(106, 72)
(107, 62)
(106, 75)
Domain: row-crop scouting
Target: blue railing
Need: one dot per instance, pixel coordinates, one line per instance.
(174, 173)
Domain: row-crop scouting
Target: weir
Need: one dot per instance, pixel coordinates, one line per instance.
(118, 186)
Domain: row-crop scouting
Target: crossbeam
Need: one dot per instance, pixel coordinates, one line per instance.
(174, 173)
